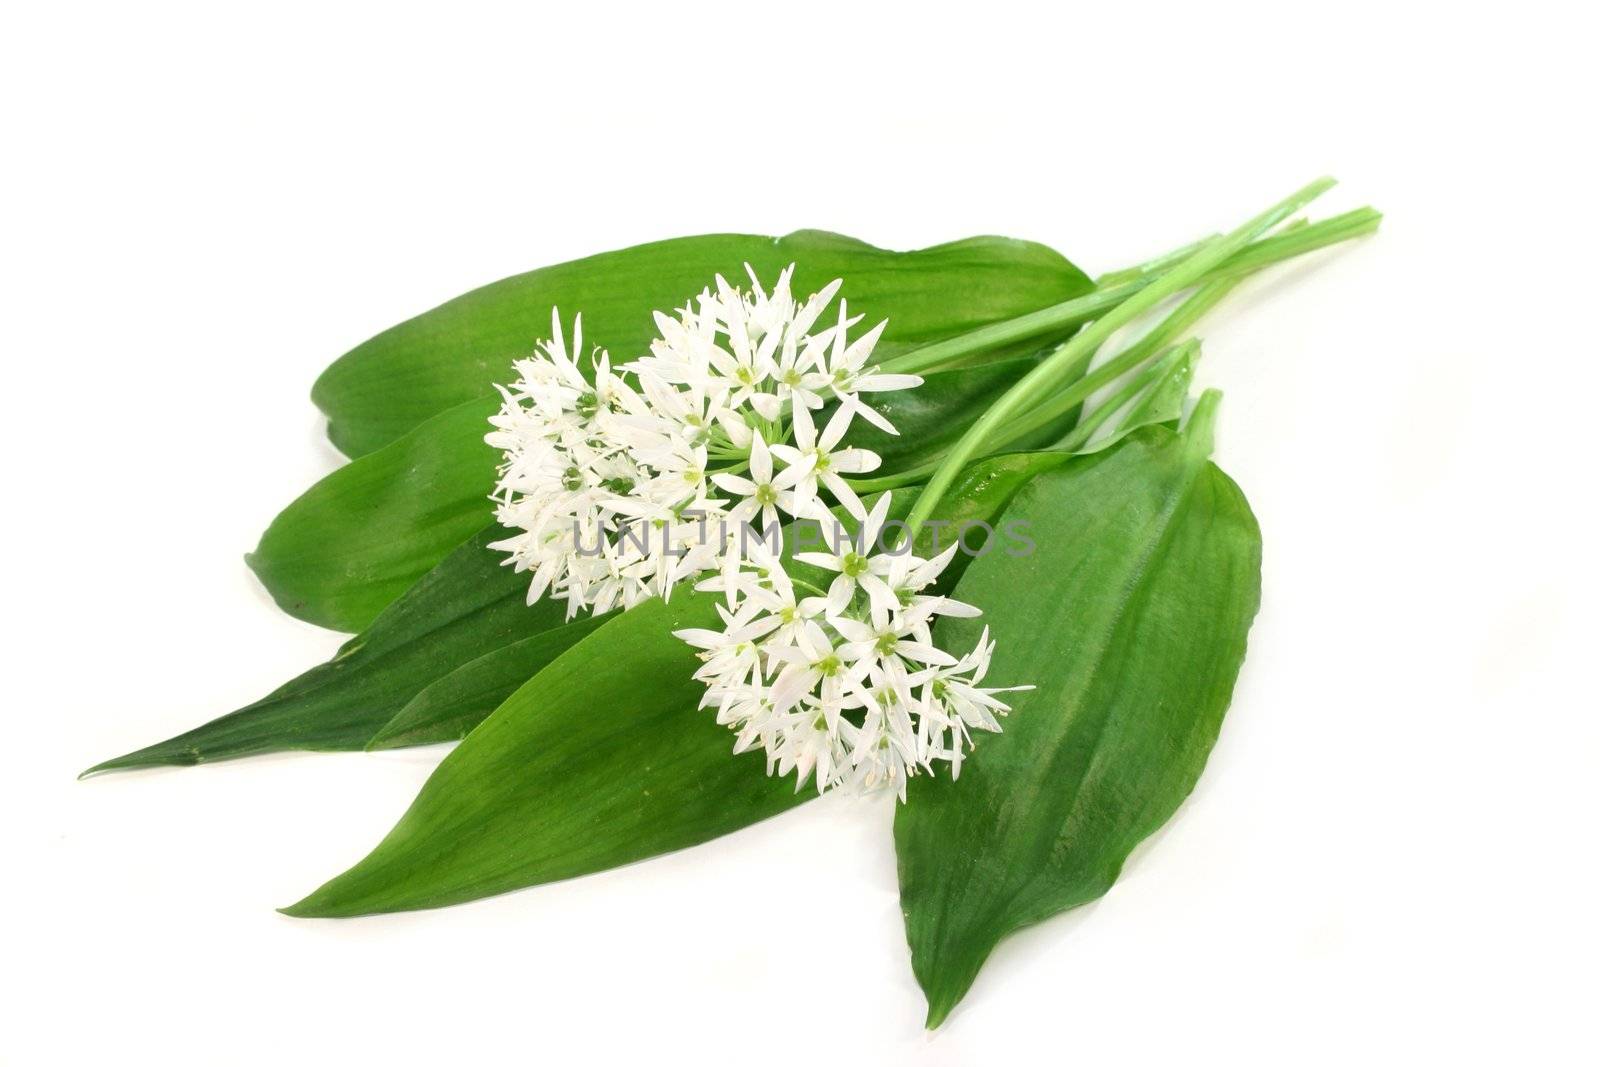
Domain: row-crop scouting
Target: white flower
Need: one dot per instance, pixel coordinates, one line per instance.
(771, 589)
(854, 558)
(848, 373)
(960, 702)
(848, 689)
(765, 493)
(812, 662)
(888, 635)
(824, 461)
(730, 655)
(907, 574)
(798, 372)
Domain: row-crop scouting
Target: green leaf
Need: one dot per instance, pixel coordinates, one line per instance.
(602, 758)
(1163, 404)
(1138, 402)
(448, 709)
(467, 606)
(360, 537)
(454, 353)
(1131, 619)
(582, 769)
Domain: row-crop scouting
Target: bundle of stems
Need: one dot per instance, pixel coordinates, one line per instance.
(1206, 270)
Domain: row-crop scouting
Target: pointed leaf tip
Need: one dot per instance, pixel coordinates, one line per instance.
(298, 910)
(1200, 430)
(162, 754)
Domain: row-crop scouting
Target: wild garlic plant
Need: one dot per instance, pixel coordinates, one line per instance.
(658, 473)
(688, 462)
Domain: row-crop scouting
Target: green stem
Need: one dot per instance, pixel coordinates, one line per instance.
(1151, 266)
(913, 476)
(1288, 244)
(1063, 317)
(1042, 379)
(1137, 386)
(802, 583)
(1053, 407)
(1165, 333)
(1053, 319)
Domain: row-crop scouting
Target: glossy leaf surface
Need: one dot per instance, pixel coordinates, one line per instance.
(1131, 619)
(352, 543)
(448, 709)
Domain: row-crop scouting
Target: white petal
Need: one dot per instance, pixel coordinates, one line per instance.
(845, 495)
(923, 653)
(760, 461)
(837, 425)
(855, 461)
(886, 383)
(735, 484)
(767, 405)
(871, 416)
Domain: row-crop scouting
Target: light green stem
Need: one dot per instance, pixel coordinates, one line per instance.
(1165, 333)
(1063, 317)
(1122, 400)
(1053, 407)
(1043, 378)
(1150, 266)
(1054, 319)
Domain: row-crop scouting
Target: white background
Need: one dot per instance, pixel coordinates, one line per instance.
(1391, 857)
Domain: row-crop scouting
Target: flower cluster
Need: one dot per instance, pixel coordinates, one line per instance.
(627, 481)
(846, 683)
(686, 463)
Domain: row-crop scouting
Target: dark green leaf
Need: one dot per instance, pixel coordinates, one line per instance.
(465, 607)
(1131, 619)
(359, 538)
(585, 767)
(448, 709)
(455, 353)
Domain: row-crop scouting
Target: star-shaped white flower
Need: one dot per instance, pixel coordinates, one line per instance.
(858, 561)
(764, 492)
(730, 654)
(812, 661)
(827, 460)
